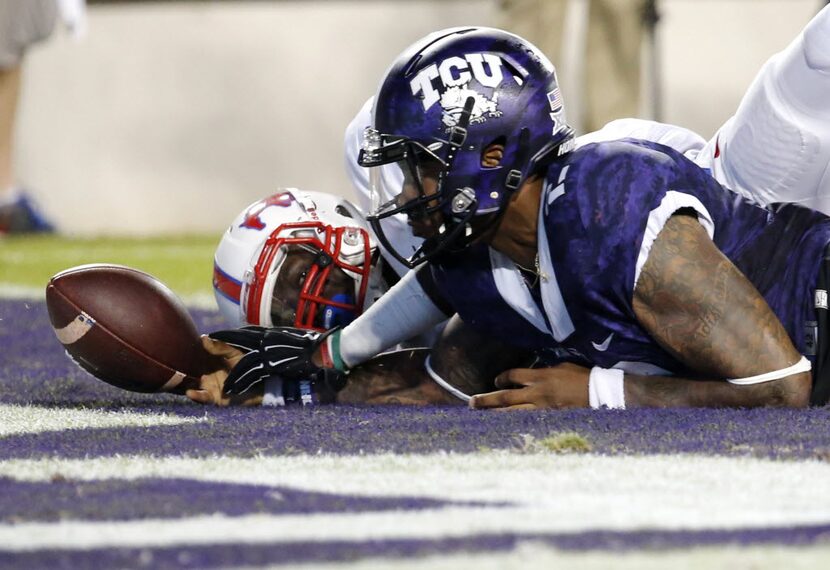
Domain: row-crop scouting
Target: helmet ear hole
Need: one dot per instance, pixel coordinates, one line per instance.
(493, 153)
(343, 211)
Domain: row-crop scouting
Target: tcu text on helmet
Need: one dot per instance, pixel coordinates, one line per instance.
(454, 72)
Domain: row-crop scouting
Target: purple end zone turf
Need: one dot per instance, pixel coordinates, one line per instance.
(119, 499)
(351, 430)
(34, 370)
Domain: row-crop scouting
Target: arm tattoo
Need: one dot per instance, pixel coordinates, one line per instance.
(700, 308)
(664, 392)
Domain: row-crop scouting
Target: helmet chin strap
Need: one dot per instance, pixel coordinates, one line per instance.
(456, 138)
(514, 177)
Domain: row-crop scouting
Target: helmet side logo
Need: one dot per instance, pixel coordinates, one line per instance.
(452, 89)
(453, 101)
(252, 220)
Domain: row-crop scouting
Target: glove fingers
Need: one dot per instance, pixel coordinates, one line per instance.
(280, 351)
(245, 340)
(247, 372)
(255, 381)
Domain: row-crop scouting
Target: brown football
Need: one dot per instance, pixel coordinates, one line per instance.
(126, 328)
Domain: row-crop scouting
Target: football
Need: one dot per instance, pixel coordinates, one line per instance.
(126, 328)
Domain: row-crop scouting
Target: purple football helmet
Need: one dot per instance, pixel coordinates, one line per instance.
(445, 101)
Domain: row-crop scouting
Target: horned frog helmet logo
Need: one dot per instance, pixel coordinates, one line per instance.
(456, 75)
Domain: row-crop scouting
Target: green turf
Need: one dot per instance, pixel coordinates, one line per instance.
(184, 263)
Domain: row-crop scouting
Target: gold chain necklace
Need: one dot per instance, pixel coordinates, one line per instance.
(541, 274)
(536, 272)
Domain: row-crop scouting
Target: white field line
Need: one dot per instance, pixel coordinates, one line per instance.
(22, 292)
(541, 479)
(547, 493)
(34, 419)
(534, 555)
(28, 293)
(433, 524)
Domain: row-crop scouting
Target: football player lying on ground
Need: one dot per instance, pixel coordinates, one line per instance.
(307, 259)
(770, 106)
(775, 148)
(636, 262)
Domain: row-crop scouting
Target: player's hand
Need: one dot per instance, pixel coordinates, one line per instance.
(210, 390)
(562, 386)
(281, 352)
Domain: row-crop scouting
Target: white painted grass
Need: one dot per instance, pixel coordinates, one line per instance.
(13, 291)
(22, 292)
(16, 420)
(548, 493)
(533, 555)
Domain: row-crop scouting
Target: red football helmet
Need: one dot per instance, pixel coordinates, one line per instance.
(297, 258)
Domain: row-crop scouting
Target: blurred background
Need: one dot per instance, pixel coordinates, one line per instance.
(170, 117)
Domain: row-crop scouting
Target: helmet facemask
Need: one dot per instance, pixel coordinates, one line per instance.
(425, 204)
(264, 297)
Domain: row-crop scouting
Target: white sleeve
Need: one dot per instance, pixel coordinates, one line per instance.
(680, 139)
(353, 142)
(396, 229)
(402, 313)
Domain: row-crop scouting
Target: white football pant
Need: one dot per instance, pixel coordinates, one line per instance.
(776, 148)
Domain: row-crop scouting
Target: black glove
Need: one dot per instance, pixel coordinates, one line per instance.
(283, 352)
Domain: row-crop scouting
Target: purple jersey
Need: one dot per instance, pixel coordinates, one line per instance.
(468, 280)
(602, 207)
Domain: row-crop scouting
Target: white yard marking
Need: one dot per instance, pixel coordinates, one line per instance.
(533, 555)
(22, 292)
(203, 300)
(547, 494)
(18, 420)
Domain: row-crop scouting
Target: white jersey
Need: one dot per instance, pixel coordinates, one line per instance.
(680, 139)
(395, 227)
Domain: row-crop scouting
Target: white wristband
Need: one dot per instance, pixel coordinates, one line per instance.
(605, 388)
(802, 365)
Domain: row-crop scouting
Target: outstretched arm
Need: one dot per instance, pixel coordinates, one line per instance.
(464, 358)
(411, 307)
(391, 378)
